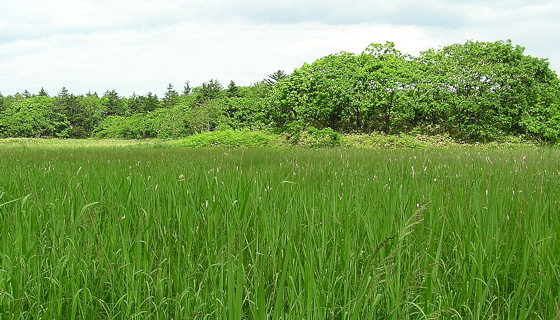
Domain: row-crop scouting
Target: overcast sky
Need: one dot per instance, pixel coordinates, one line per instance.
(141, 46)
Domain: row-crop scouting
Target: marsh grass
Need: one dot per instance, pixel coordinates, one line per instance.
(145, 233)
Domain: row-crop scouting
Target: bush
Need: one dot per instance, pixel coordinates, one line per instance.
(313, 137)
(228, 138)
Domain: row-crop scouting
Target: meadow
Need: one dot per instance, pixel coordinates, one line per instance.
(132, 232)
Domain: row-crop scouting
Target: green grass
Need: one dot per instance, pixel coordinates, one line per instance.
(111, 232)
(36, 143)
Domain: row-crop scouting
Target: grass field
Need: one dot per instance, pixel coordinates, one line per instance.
(128, 232)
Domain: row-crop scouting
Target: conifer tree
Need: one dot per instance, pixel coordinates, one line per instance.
(43, 93)
(170, 97)
(187, 88)
(275, 77)
(114, 106)
(233, 90)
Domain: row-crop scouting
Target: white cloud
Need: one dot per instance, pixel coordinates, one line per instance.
(147, 61)
(143, 45)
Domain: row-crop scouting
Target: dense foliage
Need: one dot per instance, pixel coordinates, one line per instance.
(477, 91)
(206, 108)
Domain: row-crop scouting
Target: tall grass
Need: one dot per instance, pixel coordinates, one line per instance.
(116, 233)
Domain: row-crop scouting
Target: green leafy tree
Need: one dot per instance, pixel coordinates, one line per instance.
(388, 89)
(15, 97)
(136, 126)
(481, 90)
(91, 113)
(206, 117)
(171, 123)
(243, 112)
(474, 91)
(32, 117)
(257, 90)
(345, 91)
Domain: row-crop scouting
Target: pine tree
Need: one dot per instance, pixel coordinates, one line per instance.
(170, 97)
(63, 93)
(149, 103)
(1, 102)
(69, 111)
(43, 93)
(114, 105)
(275, 77)
(134, 103)
(232, 90)
(187, 88)
(210, 90)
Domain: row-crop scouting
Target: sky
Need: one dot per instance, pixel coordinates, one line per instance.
(142, 46)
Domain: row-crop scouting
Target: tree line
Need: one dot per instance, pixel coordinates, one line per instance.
(476, 91)
(177, 113)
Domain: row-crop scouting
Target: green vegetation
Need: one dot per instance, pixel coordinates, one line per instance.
(435, 196)
(472, 92)
(228, 138)
(95, 231)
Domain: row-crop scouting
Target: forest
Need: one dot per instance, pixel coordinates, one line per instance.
(476, 91)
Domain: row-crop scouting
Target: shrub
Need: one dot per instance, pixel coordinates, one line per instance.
(313, 137)
(228, 138)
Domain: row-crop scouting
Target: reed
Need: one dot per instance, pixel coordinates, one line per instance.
(146, 233)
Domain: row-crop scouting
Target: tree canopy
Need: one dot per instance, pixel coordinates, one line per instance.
(475, 91)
